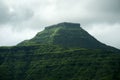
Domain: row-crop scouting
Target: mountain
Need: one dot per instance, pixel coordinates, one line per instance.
(60, 52)
(67, 35)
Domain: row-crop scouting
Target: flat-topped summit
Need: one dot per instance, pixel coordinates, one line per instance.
(67, 35)
(67, 25)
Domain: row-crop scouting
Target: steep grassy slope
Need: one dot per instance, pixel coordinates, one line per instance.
(67, 35)
(47, 62)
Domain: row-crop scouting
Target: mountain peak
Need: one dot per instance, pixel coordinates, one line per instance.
(67, 35)
(67, 25)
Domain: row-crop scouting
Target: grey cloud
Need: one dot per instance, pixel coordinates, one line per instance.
(88, 11)
(14, 16)
(110, 6)
(46, 12)
(104, 11)
(4, 13)
(19, 15)
(55, 11)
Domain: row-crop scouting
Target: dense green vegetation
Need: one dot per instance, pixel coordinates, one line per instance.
(60, 52)
(43, 62)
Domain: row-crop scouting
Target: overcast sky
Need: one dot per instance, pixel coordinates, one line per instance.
(22, 19)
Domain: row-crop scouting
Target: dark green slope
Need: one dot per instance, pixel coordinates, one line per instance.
(48, 62)
(67, 35)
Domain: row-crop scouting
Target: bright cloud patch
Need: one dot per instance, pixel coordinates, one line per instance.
(9, 37)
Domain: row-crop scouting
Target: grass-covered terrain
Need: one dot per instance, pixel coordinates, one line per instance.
(48, 62)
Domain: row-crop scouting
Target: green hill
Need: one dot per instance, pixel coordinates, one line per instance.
(66, 35)
(61, 52)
